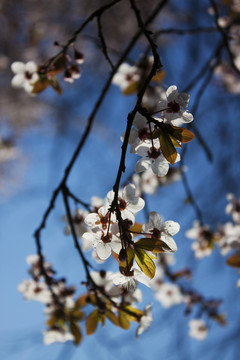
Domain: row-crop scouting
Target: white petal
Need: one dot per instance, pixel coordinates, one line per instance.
(170, 243)
(18, 67)
(103, 250)
(142, 165)
(31, 67)
(18, 81)
(172, 93)
(171, 227)
(160, 166)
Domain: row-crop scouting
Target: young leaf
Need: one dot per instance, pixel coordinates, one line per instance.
(182, 134)
(58, 65)
(145, 263)
(76, 332)
(136, 228)
(167, 147)
(112, 317)
(123, 320)
(131, 89)
(91, 322)
(81, 301)
(133, 311)
(53, 81)
(234, 260)
(160, 75)
(128, 263)
(40, 85)
(154, 245)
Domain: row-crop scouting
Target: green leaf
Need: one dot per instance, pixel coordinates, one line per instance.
(154, 245)
(128, 263)
(167, 147)
(91, 322)
(145, 263)
(75, 330)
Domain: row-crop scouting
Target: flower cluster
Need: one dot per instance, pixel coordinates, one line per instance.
(34, 79)
(156, 139)
(226, 237)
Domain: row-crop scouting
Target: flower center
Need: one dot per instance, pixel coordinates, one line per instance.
(28, 75)
(122, 204)
(156, 233)
(173, 106)
(106, 238)
(153, 153)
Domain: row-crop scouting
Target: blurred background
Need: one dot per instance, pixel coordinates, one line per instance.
(38, 135)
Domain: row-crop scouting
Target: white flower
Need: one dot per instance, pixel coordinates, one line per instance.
(129, 281)
(126, 76)
(25, 75)
(198, 329)
(103, 242)
(174, 107)
(229, 235)
(139, 133)
(100, 220)
(148, 182)
(169, 295)
(56, 335)
(203, 237)
(129, 204)
(145, 320)
(33, 290)
(152, 157)
(78, 218)
(233, 208)
(162, 230)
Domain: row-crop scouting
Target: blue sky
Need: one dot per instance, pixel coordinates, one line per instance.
(94, 174)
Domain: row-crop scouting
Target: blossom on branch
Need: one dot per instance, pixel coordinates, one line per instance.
(26, 75)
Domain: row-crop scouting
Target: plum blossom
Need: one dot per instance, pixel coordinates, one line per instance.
(168, 295)
(145, 321)
(129, 281)
(229, 235)
(78, 218)
(56, 334)
(153, 158)
(198, 329)
(129, 204)
(204, 239)
(174, 108)
(148, 182)
(34, 290)
(25, 75)
(163, 231)
(139, 133)
(126, 76)
(233, 208)
(101, 219)
(104, 242)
